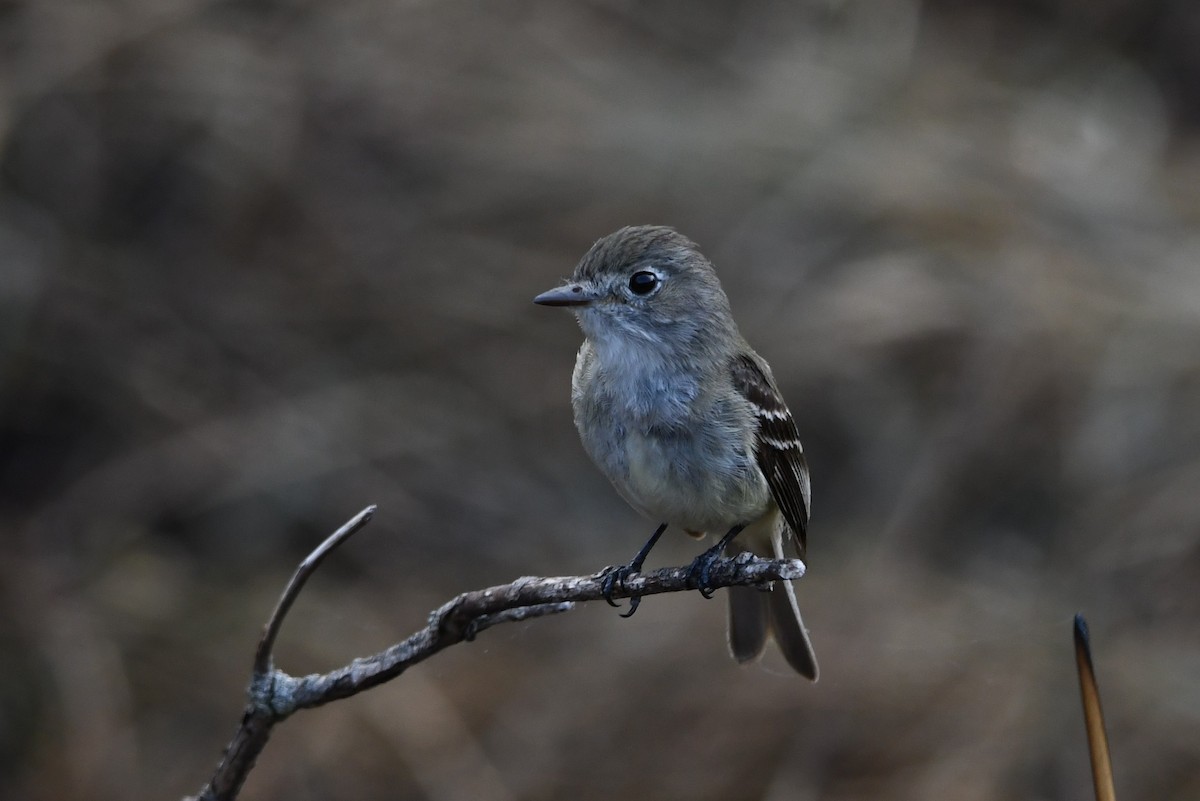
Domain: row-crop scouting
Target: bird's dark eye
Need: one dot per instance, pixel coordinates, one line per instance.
(643, 283)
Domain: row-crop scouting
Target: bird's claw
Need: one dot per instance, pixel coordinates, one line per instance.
(614, 577)
(700, 572)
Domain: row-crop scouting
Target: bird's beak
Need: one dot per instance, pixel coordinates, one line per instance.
(566, 295)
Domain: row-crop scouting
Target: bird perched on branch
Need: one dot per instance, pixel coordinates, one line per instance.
(685, 419)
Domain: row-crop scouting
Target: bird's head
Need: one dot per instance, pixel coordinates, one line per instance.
(645, 285)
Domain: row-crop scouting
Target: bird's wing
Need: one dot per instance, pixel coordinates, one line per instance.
(777, 444)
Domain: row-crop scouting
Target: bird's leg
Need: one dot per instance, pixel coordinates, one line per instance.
(617, 574)
(698, 573)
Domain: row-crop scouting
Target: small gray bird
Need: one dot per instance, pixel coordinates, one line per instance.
(684, 418)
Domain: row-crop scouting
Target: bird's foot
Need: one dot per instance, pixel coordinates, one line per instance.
(612, 577)
(700, 571)
(615, 576)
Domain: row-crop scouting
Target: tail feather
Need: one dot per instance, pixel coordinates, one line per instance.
(755, 615)
(748, 623)
(788, 626)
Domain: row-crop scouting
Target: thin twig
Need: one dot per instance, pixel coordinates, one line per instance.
(275, 695)
(1093, 715)
(266, 645)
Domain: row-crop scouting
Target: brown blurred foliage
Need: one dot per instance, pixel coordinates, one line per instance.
(263, 262)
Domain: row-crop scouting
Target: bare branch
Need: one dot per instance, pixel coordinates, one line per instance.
(275, 695)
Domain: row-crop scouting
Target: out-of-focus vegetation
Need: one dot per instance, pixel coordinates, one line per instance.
(262, 263)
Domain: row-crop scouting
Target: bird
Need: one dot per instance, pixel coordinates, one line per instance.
(687, 422)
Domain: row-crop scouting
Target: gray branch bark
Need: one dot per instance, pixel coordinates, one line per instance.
(275, 695)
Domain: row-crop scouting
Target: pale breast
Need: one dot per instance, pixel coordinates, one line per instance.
(684, 480)
(688, 462)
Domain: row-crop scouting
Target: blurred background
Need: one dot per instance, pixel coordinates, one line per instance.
(263, 262)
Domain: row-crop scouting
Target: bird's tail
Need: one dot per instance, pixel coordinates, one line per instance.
(754, 615)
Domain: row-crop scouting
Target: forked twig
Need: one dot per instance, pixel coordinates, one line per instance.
(274, 695)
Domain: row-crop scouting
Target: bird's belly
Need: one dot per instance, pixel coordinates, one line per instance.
(685, 482)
